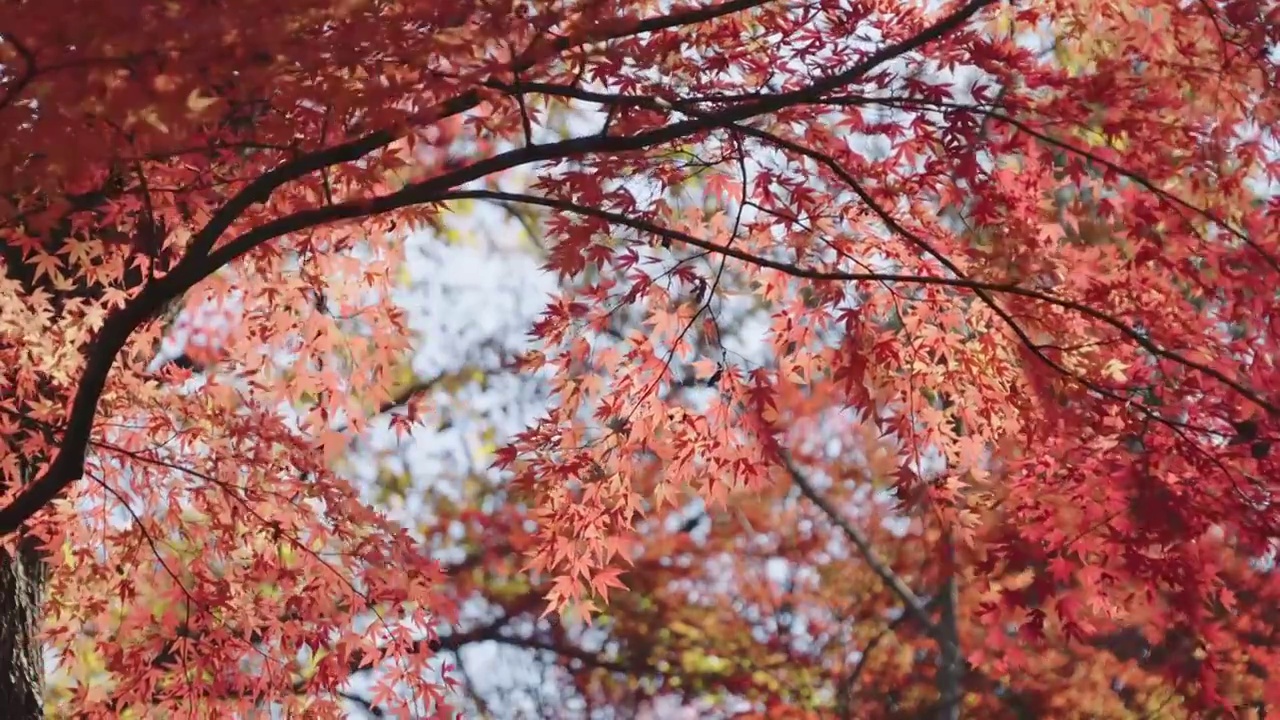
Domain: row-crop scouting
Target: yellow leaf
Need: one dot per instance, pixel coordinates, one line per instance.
(1002, 24)
(1114, 369)
(152, 118)
(684, 629)
(197, 103)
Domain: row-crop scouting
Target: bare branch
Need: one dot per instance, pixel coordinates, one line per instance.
(916, 608)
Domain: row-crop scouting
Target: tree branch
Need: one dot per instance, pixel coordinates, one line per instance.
(915, 607)
(951, 665)
(979, 289)
(202, 261)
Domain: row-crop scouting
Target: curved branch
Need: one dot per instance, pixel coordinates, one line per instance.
(975, 286)
(202, 261)
(916, 607)
(979, 289)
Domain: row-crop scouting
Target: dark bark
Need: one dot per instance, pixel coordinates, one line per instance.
(950, 661)
(22, 588)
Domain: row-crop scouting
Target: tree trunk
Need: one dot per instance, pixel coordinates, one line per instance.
(22, 589)
(950, 661)
(23, 581)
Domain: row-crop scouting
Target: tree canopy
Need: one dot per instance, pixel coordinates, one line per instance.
(903, 357)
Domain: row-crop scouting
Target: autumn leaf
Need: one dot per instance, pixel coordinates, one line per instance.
(868, 337)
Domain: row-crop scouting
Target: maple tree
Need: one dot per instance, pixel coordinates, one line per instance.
(1045, 275)
(768, 605)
